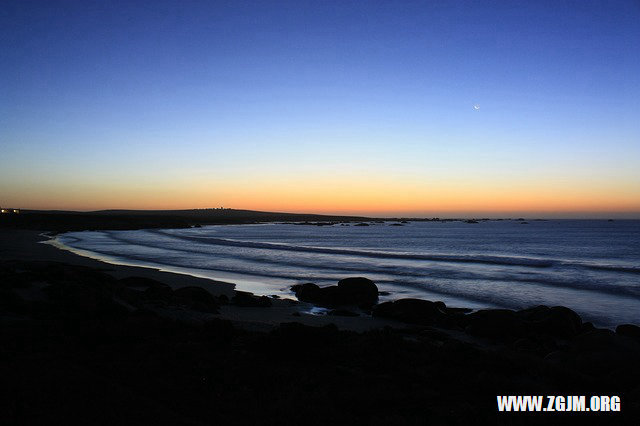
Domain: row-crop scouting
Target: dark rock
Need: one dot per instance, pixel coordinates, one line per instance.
(75, 298)
(343, 313)
(196, 298)
(249, 300)
(601, 351)
(629, 330)
(355, 291)
(10, 301)
(358, 290)
(458, 311)
(361, 224)
(586, 327)
(414, 311)
(595, 340)
(502, 324)
(151, 289)
(557, 321)
(308, 292)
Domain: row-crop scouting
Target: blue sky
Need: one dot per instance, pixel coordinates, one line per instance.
(191, 104)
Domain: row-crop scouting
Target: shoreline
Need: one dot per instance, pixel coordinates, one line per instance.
(34, 246)
(605, 285)
(27, 245)
(82, 336)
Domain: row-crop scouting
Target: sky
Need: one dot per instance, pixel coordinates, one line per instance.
(413, 108)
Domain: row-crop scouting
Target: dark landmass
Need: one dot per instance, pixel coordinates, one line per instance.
(83, 342)
(81, 346)
(65, 221)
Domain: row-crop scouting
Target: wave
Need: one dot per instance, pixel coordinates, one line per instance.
(290, 269)
(492, 260)
(614, 268)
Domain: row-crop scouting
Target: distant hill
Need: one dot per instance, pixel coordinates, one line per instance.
(62, 221)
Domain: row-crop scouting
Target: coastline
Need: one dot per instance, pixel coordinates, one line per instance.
(81, 335)
(27, 245)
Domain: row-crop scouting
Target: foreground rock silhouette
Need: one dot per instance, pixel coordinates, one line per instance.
(357, 291)
(78, 346)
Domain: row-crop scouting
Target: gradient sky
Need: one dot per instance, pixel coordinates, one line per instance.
(318, 106)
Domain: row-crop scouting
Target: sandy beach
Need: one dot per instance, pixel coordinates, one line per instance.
(26, 245)
(114, 344)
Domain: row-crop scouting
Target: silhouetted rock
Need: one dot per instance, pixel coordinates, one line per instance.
(196, 298)
(343, 313)
(414, 311)
(361, 224)
(308, 292)
(159, 291)
(629, 330)
(601, 351)
(354, 291)
(151, 289)
(11, 301)
(157, 369)
(79, 299)
(586, 327)
(249, 300)
(500, 324)
(358, 291)
(557, 321)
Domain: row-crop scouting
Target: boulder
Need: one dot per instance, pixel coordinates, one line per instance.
(413, 311)
(196, 298)
(358, 291)
(354, 291)
(628, 330)
(343, 313)
(557, 321)
(308, 292)
(84, 300)
(150, 289)
(501, 324)
(249, 300)
(602, 351)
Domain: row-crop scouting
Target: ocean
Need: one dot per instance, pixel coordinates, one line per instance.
(591, 266)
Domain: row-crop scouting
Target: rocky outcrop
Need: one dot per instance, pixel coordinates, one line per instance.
(495, 324)
(629, 330)
(354, 291)
(413, 311)
(557, 321)
(249, 300)
(196, 298)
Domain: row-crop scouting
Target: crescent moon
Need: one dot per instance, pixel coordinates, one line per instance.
(476, 107)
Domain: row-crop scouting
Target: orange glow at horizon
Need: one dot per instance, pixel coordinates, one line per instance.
(354, 196)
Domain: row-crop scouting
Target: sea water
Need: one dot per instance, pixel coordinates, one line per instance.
(591, 266)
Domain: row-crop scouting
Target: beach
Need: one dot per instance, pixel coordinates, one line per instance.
(83, 337)
(25, 245)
